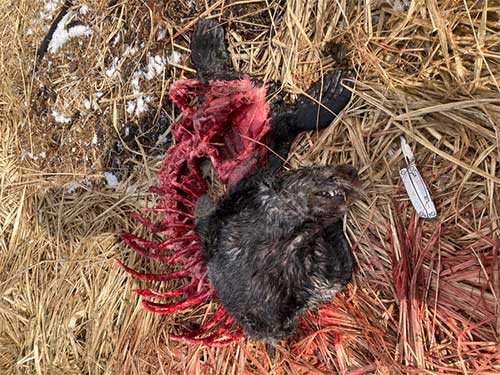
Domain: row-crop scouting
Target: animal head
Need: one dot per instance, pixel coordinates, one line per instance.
(326, 191)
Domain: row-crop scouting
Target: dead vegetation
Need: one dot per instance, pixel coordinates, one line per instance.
(425, 294)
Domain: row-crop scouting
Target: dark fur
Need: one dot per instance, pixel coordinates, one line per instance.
(274, 245)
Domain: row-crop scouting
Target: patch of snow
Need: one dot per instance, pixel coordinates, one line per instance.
(94, 139)
(28, 154)
(72, 187)
(61, 35)
(162, 34)
(138, 105)
(111, 179)
(131, 104)
(136, 88)
(401, 5)
(174, 58)
(88, 104)
(155, 67)
(116, 40)
(114, 67)
(141, 105)
(59, 117)
(84, 9)
(50, 6)
(130, 51)
(25, 154)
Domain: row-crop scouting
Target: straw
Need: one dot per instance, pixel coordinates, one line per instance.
(424, 298)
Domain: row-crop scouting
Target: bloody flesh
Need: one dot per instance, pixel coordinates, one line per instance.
(227, 122)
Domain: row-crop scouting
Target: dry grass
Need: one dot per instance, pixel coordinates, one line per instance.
(425, 294)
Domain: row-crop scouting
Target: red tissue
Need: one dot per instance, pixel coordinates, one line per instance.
(227, 122)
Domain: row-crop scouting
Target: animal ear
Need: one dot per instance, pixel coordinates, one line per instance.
(329, 97)
(208, 50)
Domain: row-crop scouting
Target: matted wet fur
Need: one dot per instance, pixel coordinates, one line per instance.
(275, 247)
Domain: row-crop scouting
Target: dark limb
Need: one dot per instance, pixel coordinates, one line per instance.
(280, 139)
(324, 101)
(327, 98)
(208, 51)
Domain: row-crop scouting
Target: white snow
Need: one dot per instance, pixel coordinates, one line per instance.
(61, 35)
(111, 179)
(136, 88)
(84, 9)
(401, 5)
(130, 51)
(116, 40)
(155, 67)
(59, 117)
(88, 104)
(113, 68)
(131, 105)
(162, 34)
(174, 58)
(25, 154)
(50, 6)
(72, 187)
(139, 105)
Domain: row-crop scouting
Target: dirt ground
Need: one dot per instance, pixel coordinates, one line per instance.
(84, 129)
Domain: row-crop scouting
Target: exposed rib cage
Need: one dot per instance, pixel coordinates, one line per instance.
(226, 121)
